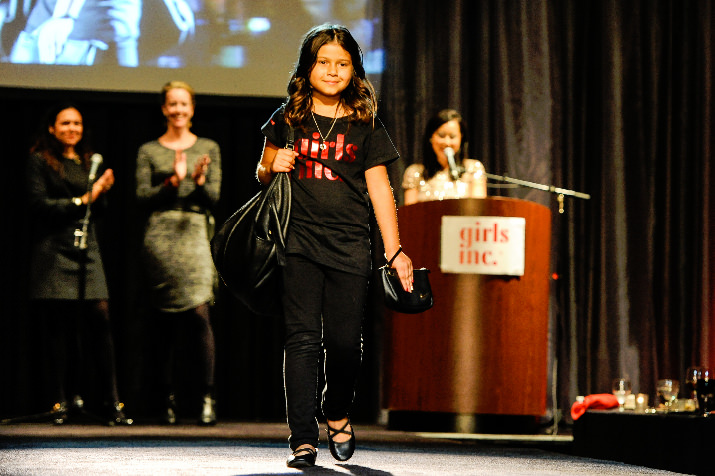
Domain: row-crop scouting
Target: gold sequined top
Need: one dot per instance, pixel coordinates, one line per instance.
(471, 184)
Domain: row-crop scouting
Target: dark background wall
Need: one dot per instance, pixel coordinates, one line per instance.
(611, 98)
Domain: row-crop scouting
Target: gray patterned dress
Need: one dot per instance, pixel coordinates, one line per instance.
(178, 269)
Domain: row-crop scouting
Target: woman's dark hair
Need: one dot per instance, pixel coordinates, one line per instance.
(429, 158)
(50, 148)
(359, 97)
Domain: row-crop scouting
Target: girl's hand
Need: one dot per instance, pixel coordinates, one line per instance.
(273, 160)
(403, 265)
(202, 166)
(284, 160)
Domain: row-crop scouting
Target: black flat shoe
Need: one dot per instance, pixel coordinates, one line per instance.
(302, 458)
(342, 451)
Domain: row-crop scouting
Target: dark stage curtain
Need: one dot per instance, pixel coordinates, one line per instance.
(611, 98)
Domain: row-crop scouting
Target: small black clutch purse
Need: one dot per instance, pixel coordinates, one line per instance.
(397, 299)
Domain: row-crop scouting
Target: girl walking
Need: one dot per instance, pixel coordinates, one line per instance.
(338, 172)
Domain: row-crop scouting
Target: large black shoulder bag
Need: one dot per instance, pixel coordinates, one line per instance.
(249, 248)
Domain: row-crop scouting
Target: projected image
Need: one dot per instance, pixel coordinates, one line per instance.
(176, 33)
(72, 32)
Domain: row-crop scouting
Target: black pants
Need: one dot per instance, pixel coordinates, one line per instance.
(323, 309)
(78, 334)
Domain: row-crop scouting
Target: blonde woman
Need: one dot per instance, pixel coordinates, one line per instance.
(178, 181)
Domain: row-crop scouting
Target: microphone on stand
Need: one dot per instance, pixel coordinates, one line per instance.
(96, 161)
(453, 169)
(80, 234)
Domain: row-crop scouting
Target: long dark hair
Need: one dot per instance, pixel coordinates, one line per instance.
(429, 158)
(51, 149)
(359, 97)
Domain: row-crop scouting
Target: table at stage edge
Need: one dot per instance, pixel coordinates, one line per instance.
(680, 442)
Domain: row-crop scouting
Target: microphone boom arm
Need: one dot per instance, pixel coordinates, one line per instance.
(561, 192)
(538, 186)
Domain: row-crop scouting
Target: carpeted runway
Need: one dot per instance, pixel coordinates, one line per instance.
(261, 449)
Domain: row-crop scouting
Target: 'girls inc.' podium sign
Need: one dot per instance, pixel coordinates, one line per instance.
(483, 245)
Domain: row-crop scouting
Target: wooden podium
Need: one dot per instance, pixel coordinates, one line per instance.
(483, 347)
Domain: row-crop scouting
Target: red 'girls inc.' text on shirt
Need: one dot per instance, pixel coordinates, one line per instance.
(330, 211)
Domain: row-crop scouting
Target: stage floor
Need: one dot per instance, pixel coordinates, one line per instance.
(264, 431)
(238, 448)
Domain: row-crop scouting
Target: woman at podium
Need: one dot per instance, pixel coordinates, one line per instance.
(445, 172)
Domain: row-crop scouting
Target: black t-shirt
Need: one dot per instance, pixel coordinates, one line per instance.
(330, 210)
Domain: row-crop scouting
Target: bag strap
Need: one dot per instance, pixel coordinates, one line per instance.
(389, 263)
(291, 138)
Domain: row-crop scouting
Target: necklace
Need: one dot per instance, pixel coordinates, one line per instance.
(335, 119)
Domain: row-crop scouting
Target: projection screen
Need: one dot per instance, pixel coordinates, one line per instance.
(226, 47)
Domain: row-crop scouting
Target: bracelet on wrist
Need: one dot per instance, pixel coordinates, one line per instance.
(389, 262)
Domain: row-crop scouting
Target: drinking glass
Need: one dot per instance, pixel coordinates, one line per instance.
(667, 389)
(690, 382)
(705, 386)
(621, 388)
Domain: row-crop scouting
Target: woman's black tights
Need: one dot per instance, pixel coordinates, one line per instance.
(192, 327)
(78, 334)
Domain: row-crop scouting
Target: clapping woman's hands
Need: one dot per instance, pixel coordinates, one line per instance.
(103, 184)
(180, 168)
(202, 166)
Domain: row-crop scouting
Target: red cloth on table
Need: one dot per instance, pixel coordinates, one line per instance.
(598, 401)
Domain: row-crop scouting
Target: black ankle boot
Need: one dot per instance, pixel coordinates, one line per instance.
(208, 412)
(114, 414)
(77, 403)
(169, 416)
(59, 413)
